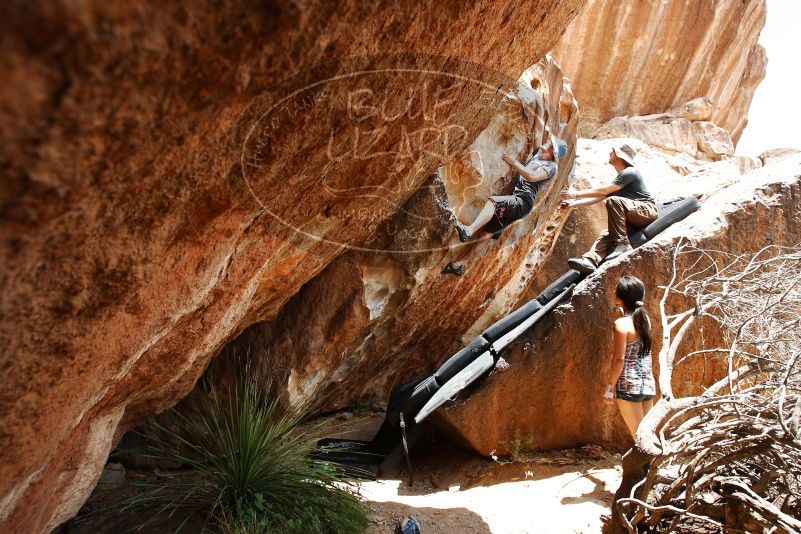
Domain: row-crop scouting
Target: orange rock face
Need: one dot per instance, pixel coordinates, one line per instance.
(639, 58)
(380, 316)
(550, 396)
(174, 174)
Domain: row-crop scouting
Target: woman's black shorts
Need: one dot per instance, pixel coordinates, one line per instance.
(508, 209)
(632, 398)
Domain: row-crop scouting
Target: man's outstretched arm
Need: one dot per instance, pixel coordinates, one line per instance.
(583, 202)
(601, 192)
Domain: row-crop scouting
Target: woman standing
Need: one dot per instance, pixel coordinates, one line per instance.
(630, 371)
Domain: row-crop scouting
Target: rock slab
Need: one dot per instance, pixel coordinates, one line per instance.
(630, 57)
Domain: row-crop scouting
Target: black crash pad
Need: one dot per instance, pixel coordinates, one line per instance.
(508, 323)
(458, 361)
(555, 289)
(410, 397)
(669, 214)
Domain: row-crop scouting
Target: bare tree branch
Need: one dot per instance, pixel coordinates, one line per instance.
(727, 458)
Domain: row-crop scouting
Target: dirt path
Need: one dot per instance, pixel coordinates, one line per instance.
(559, 492)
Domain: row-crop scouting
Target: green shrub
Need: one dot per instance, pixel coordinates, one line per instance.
(250, 470)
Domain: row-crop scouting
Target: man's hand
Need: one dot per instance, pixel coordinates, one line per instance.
(568, 195)
(567, 204)
(508, 159)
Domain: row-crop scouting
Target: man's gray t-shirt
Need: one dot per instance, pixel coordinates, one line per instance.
(528, 190)
(632, 186)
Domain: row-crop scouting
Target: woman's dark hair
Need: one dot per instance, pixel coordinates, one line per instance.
(631, 291)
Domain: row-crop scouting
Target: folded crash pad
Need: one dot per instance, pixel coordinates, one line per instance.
(458, 361)
(497, 330)
(410, 397)
(555, 289)
(464, 378)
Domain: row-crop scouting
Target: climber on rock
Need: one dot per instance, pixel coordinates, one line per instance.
(629, 207)
(501, 211)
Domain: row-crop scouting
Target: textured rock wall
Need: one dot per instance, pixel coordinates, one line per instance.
(636, 57)
(376, 318)
(550, 397)
(160, 193)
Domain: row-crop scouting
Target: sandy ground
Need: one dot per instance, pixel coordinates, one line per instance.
(454, 491)
(560, 492)
(457, 492)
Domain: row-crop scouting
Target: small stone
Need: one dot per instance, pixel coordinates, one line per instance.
(697, 109)
(501, 365)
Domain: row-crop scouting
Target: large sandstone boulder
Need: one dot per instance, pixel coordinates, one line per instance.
(631, 57)
(377, 317)
(663, 131)
(550, 397)
(713, 141)
(673, 132)
(175, 173)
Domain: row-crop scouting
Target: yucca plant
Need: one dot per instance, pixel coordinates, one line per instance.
(250, 470)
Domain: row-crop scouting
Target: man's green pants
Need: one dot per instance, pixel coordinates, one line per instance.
(623, 216)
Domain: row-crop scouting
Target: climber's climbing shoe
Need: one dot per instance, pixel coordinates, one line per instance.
(496, 235)
(582, 265)
(454, 267)
(620, 249)
(462, 231)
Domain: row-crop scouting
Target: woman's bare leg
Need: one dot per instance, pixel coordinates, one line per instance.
(632, 414)
(646, 406)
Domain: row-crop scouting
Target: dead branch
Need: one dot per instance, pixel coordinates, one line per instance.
(727, 458)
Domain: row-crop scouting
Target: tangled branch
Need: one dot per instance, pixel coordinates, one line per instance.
(727, 459)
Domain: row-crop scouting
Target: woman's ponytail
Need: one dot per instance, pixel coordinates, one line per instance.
(631, 291)
(642, 324)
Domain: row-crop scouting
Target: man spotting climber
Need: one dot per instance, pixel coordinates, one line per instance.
(501, 211)
(629, 207)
